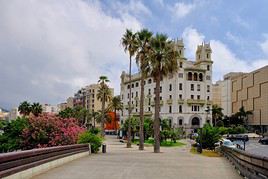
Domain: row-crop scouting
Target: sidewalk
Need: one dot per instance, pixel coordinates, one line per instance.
(123, 163)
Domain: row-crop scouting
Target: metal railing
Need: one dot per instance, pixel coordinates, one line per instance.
(11, 163)
(249, 165)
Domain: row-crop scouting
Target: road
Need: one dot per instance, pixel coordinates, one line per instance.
(252, 146)
(128, 163)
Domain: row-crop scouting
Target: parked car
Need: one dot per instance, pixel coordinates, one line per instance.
(237, 137)
(228, 143)
(264, 141)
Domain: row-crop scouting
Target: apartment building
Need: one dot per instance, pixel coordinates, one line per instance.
(251, 91)
(185, 96)
(48, 108)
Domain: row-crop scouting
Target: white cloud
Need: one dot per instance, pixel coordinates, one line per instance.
(181, 9)
(233, 38)
(224, 60)
(264, 45)
(49, 49)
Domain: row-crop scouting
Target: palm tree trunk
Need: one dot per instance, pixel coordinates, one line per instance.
(129, 107)
(157, 116)
(102, 117)
(141, 145)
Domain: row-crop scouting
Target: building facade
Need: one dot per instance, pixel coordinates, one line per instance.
(185, 96)
(251, 91)
(13, 114)
(48, 108)
(87, 97)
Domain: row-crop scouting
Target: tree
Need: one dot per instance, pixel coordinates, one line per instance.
(104, 95)
(94, 115)
(133, 123)
(25, 108)
(148, 128)
(129, 43)
(36, 109)
(115, 104)
(162, 62)
(216, 114)
(143, 39)
(208, 136)
(242, 114)
(66, 113)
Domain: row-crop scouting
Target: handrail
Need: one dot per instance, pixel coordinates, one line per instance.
(249, 165)
(14, 162)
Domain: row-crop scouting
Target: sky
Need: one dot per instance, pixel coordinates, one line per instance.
(49, 49)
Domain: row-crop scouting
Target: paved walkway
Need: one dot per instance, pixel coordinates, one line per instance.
(123, 163)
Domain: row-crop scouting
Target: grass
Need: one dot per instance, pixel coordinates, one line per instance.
(206, 153)
(167, 143)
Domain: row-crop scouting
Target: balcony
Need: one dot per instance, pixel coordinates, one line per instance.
(136, 98)
(169, 101)
(153, 103)
(132, 106)
(148, 113)
(209, 102)
(180, 101)
(196, 101)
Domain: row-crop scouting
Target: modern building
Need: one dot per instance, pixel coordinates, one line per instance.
(185, 96)
(87, 97)
(221, 93)
(251, 91)
(48, 108)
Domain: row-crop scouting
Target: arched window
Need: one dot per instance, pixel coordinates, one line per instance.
(190, 76)
(195, 76)
(180, 122)
(150, 81)
(195, 121)
(200, 77)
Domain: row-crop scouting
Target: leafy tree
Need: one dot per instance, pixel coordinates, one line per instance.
(148, 128)
(36, 109)
(11, 139)
(242, 114)
(66, 113)
(208, 136)
(104, 95)
(129, 43)
(134, 126)
(143, 38)
(115, 105)
(94, 140)
(162, 62)
(25, 108)
(94, 115)
(216, 114)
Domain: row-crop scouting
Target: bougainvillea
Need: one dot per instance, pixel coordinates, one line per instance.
(47, 130)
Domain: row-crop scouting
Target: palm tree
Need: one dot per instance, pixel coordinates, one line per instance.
(25, 108)
(162, 61)
(143, 38)
(115, 105)
(36, 109)
(242, 114)
(94, 115)
(216, 113)
(104, 95)
(129, 43)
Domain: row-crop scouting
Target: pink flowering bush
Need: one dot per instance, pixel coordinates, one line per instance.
(47, 130)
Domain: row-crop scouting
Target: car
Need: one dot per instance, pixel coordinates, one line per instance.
(264, 141)
(237, 137)
(228, 143)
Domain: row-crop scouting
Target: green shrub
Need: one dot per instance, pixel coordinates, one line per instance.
(94, 131)
(94, 140)
(208, 136)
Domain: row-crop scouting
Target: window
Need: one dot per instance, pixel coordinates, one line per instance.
(208, 67)
(136, 103)
(180, 63)
(207, 97)
(195, 76)
(149, 109)
(132, 95)
(200, 77)
(144, 82)
(180, 86)
(198, 96)
(180, 96)
(149, 91)
(208, 56)
(149, 81)
(180, 75)
(160, 97)
(170, 109)
(207, 77)
(180, 109)
(180, 122)
(122, 97)
(192, 96)
(136, 110)
(198, 87)
(137, 84)
(192, 87)
(128, 96)
(170, 87)
(195, 108)
(160, 89)
(190, 76)
(149, 102)
(132, 102)
(208, 88)
(136, 93)
(170, 96)
(132, 86)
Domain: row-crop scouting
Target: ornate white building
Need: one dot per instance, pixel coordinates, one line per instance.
(185, 96)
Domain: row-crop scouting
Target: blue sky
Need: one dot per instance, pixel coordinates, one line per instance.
(49, 49)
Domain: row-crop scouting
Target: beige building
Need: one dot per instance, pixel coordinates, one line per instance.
(70, 102)
(48, 108)
(251, 91)
(13, 114)
(221, 93)
(185, 96)
(3, 115)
